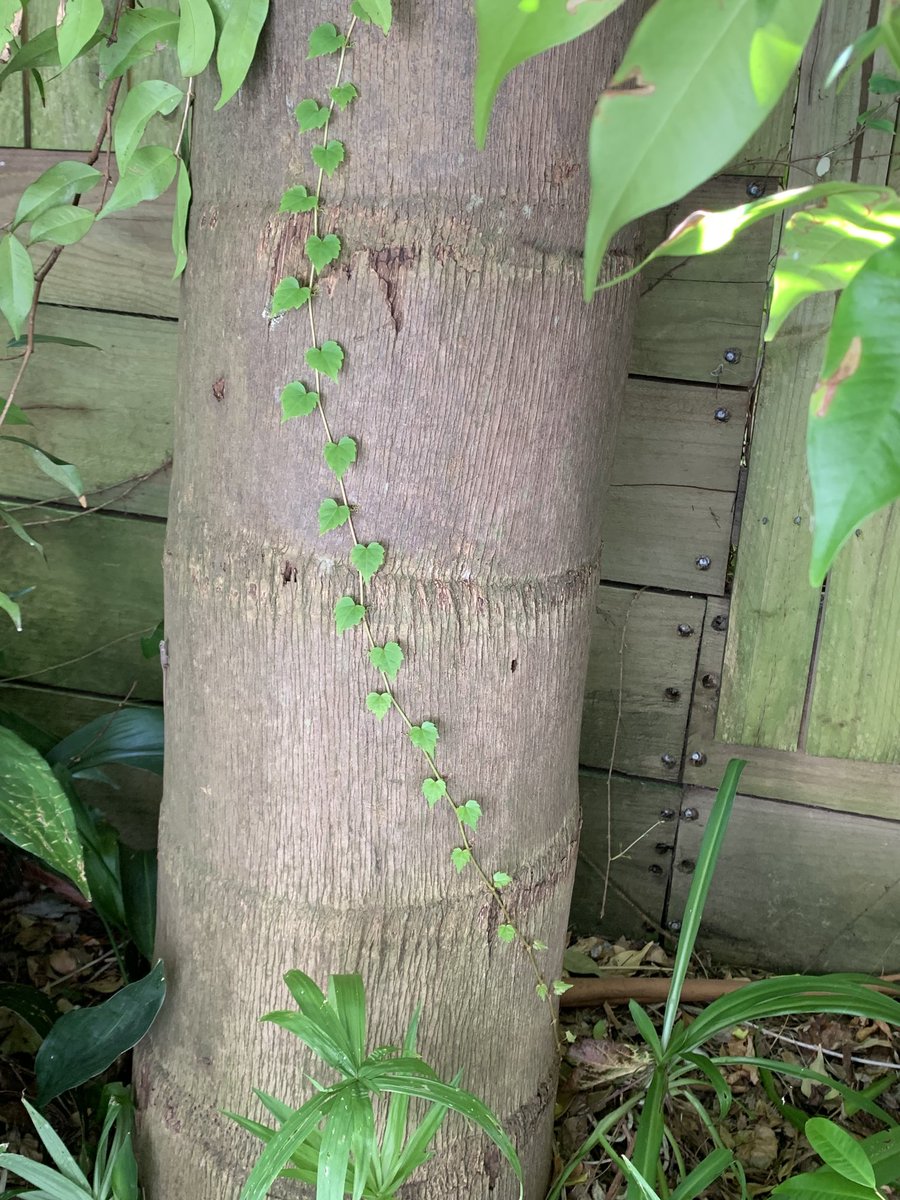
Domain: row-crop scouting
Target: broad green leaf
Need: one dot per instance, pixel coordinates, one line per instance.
(328, 158)
(41, 50)
(367, 559)
(424, 737)
(377, 12)
(343, 94)
(196, 36)
(143, 102)
(325, 39)
(64, 225)
(347, 613)
(35, 812)
(823, 1185)
(340, 455)
(48, 1180)
(296, 401)
(12, 610)
(327, 359)
(149, 173)
(379, 703)
(698, 78)
(387, 658)
(332, 515)
(56, 1148)
(297, 199)
(33, 1006)
(853, 435)
(279, 1149)
(150, 642)
(60, 472)
(237, 44)
(138, 872)
(133, 736)
(180, 218)
(469, 813)
(287, 295)
(838, 1150)
(141, 32)
(16, 283)
(507, 37)
(86, 1041)
(19, 530)
(433, 790)
(59, 184)
(310, 115)
(322, 251)
(460, 857)
(81, 22)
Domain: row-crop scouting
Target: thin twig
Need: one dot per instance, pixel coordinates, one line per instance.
(816, 1049)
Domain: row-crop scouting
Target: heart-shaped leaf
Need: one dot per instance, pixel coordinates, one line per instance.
(296, 401)
(501, 879)
(560, 987)
(376, 12)
(433, 790)
(332, 515)
(387, 658)
(327, 358)
(328, 158)
(461, 857)
(310, 115)
(424, 736)
(297, 200)
(379, 703)
(288, 294)
(343, 94)
(347, 613)
(325, 39)
(506, 933)
(340, 455)
(469, 813)
(367, 559)
(322, 251)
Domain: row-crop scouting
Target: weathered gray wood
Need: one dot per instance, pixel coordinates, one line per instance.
(638, 881)
(109, 412)
(656, 671)
(99, 590)
(796, 889)
(769, 149)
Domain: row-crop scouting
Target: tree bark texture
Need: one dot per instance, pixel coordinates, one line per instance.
(483, 393)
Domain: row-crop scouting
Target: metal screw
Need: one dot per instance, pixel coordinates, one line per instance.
(687, 865)
(667, 814)
(689, 814)
(720, 622)
(732, 355)
(703, 562)
(798, 520)
(755, 189)
(655, 869)
(674, 926)
(710, 681)
(722, 415)
(668, 760)
(698, 758)
(672, 693)
(685, 630)
(764, 520)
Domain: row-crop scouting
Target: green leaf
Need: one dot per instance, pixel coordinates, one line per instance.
(55, 1147)
(180, 218)
(64, 225)
(287, 295)
(295, 1130)
(237, 44)
(60, 472)
(49, 339)
(377, 12)
(327, 358)
(703, 1175)
(822, 1185)
(325, 39)
(59, 184)
(506, 933)
(49, 1182)
(143, 102)
(560, 987)
(322, 251)
(297, 200)
(34, 1007)
(196, 36)
(133, 736)
(35, 812)
(86, 1041)
(460, 857)
(334, 1150)
(645, 1028)
(433, 790)
(883, 85)
(310, 115)
(367, 559)
(347, 613)
(150, 643)
(332, 515)
(16, 283)
(141, 32)
(696, 81)
(19, 530)
(149, 173)
(139, 875)
(853, 435)
(328, 158)
(15, 415)
(81, 22)
(343, 94)
(340, 455)
(469, 813)
(296, 401)
(379, 703)
(501, 879)
(387, 658)
(507, 36)
(12, 610)
(840, 1151)
(424, 737)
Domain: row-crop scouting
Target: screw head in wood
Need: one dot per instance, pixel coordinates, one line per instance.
(756, 188)
(668, 761)
(732, 355)
(689, 814)
(655, 869)
(685, 630)
(667, 814)
(687, 865)
(672, 693)
(698, 758)
(673, 926)
(703, 562)
(720, 622)
(710, 680)
(722, 415)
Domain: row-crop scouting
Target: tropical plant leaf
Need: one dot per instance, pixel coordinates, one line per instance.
(16, 282)
(133, 736)
(138, 872)
(180, 218)
(142, 103)
(237, 44)
(281, 1147)
(33, 1006)
(81, 22)
(141, 32)
(41, 50)
(149, 173)
(59, 184)
(64, 225)
(196, 36)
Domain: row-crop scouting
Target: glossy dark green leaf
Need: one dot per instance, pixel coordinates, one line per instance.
(80, 24)
(86, 1041)
(49, 1182)
(142, 103)
(141, 32)
(16, 282)
(33, 1006)
(196, 36)
(56, 1148)
(133, 736)
(703, 1175)
(150, 171)
(59, 184)
(138, 871)
(237, 44)
(63, 226)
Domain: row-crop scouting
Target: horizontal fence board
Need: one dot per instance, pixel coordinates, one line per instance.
(98, 591)
(109, 412)
(832, 783)
(795, 889)
(636, 894)
(769, 149)
(124, 264)
(656, 670)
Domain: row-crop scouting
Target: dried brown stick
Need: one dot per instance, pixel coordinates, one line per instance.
(619, 989)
